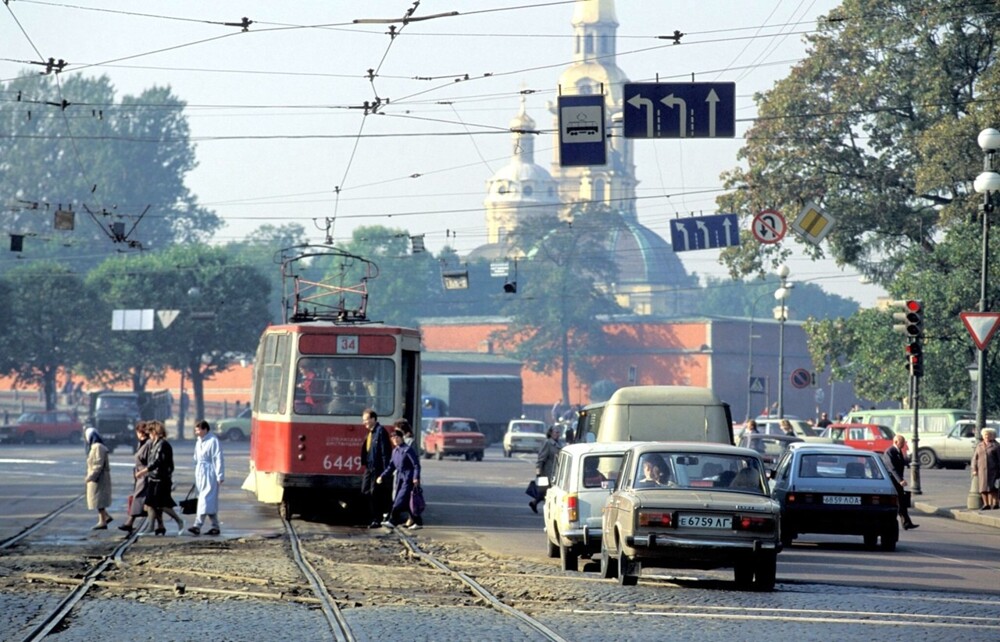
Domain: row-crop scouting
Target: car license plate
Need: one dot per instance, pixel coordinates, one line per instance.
(463, 441)
(705, 521)
(842, 499)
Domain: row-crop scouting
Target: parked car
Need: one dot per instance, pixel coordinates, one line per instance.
(453, 436)
(770, 447)
(523, 435)
(871, 437)
(234, 428)
(952, 449)
(772, 426)
(836, 489)
(708, 507)
(573, 503)
(43, 425)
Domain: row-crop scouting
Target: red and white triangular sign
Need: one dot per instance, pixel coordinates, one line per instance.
(981, 325)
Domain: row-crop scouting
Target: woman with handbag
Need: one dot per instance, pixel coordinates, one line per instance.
(405, 463)
(137, 507)
(159, 473)
(98, 478)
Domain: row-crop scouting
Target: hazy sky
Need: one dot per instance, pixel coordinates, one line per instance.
(277, 112)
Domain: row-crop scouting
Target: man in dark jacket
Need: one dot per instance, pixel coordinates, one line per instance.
(896, 460)
(376, 452)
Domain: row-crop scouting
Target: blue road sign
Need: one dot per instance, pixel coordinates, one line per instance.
(704, 232)
(581, 131)
(758, 385)
(680, 110)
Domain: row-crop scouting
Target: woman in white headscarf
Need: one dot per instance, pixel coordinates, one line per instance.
(98, 478)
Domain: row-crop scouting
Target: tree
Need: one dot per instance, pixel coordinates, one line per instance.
(222, 308)
(556, 315)
(113, 162)
(751, 299)
(54, 328)
(878, 127)
(260, 249)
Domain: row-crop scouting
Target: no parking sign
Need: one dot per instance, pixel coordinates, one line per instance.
(801, 378)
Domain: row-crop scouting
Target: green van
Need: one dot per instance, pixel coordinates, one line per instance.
(933, 421)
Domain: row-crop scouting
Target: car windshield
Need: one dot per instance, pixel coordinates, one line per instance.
(695, 471)
(117, 403)
(529, 427)
(837, 466)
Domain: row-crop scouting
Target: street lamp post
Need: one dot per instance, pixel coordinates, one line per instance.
(753, 315)
(781, 294)
(986, 183)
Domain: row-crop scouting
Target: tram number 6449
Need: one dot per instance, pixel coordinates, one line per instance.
(342, 463)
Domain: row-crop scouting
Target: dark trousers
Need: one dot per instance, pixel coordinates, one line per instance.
(903, 500)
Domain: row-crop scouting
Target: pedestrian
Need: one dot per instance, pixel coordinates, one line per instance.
(406, 465)
(209, 473)
(824, 420)
(786, 427)
(376, 452)
(98, 478)
(986, 467)
(137, 508)
(159, 472)
(896, 457)
(545, 464)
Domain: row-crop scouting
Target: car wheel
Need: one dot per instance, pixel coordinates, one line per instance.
(479, 456)
(787, 535)
(569, 559)
(928, 458)
(439, 454)
(628, 572)
(765, 572)
(28, 437)
(889, 538)
(743, 574)
(234, 434)
(553, 550)
(609, 567)
(427, 454)
(468, 456)
(871, 539)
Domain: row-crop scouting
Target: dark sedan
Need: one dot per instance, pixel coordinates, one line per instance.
(837, 490)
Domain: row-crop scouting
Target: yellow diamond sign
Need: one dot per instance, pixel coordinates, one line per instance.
(813, 224)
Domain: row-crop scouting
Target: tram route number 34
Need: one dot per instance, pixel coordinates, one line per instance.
(347, 344)
(342, 463)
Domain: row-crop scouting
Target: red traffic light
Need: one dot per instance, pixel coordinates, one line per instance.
(914, 306)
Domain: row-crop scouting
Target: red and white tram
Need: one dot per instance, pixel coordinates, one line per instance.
(314, 374)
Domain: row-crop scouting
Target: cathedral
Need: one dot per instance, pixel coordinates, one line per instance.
(651, 279)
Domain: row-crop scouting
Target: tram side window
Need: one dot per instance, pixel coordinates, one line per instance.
(271, 374)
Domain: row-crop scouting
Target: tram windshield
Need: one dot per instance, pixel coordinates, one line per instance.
(344, 386)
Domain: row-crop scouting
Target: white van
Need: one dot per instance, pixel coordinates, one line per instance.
(665, 413)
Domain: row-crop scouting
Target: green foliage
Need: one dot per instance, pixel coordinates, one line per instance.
(555, 323)
(115, 158)
(755, 299)
(878, 126)
(53, 327)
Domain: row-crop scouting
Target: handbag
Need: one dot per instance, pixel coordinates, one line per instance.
(189, 505)
(417, 503)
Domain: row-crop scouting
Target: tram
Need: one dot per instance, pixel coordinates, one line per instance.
(314, 375)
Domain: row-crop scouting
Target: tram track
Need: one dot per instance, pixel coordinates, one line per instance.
(39, 524)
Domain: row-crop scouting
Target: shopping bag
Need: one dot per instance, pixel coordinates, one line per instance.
(417, 503)
(189, 505)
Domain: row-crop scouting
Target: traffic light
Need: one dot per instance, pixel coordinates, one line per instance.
(915, 359)
(912, 319)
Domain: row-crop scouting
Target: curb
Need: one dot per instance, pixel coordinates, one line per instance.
(960, 514)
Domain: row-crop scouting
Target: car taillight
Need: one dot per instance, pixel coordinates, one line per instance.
(572, 508)
(754, 523)
(649, 518)
(883, 500)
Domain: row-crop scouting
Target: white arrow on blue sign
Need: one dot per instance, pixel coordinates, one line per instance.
(704, 232)
(680, 110)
